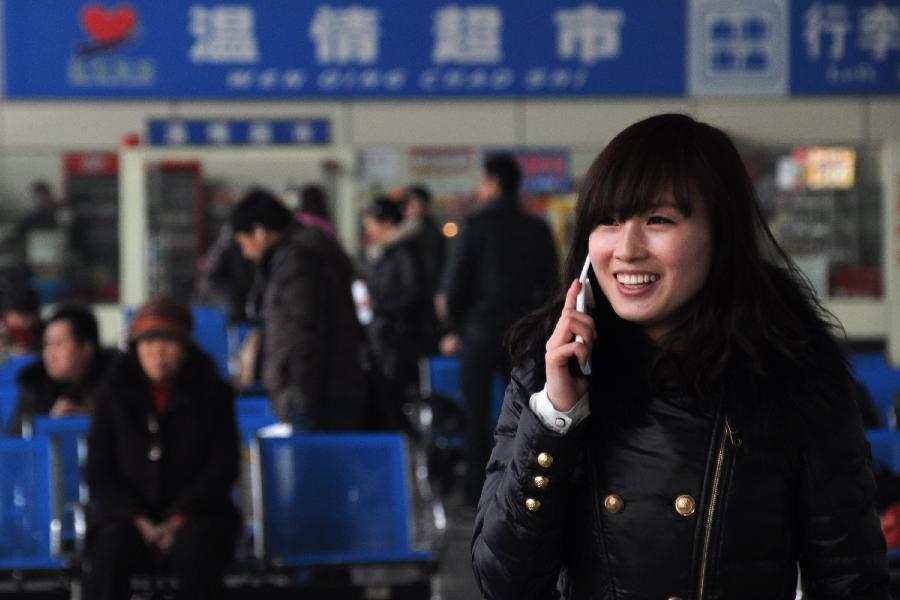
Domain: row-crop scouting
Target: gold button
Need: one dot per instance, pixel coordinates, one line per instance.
(614, 503)
(541, 482)
(545, 460)
(533, 505)
(685, 505)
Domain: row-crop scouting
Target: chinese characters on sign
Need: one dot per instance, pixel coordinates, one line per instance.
(852, 46)
(467, 50)
(223, 34)
(448, 48)
(168, 132)
(589, 33)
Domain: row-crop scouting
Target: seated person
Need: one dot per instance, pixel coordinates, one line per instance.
(20, 330)
(163, 455)
(71, 368)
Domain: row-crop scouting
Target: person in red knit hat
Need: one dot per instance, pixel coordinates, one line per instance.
(163, 455)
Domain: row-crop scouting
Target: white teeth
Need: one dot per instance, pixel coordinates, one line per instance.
(641, 279)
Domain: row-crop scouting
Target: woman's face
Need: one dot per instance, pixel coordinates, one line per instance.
(653, 264)
(376, 231)
(160, 358)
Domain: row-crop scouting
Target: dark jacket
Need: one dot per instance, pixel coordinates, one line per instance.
(504, 265)
(182, 461)
(430, 249)
(38, 392)
(395, 288)
(312, 351)
(227, 278)
(610, 523)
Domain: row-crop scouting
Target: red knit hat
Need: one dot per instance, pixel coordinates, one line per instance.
(162, 317)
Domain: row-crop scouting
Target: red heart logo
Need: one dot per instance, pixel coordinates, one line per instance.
(108, 26)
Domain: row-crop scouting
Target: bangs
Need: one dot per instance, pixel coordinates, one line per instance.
(640, 173)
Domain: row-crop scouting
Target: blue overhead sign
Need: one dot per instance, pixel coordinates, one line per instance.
(258, 49)
(849, 47)
(224, 132)
(382, 48)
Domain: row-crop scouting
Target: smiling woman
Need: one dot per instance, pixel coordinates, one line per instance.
(716, 445)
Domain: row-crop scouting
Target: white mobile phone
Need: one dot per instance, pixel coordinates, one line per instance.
(584, 303)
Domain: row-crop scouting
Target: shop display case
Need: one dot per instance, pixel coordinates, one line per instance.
(176, 214)
(92, 191)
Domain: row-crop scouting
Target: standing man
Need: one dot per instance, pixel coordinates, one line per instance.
(429, 243)
(312, 341)
(504, 266)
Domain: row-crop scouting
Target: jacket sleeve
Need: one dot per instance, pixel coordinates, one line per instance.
(516, 552)
(843, 553)
(111, 497)
(294, 346)
(215, 482)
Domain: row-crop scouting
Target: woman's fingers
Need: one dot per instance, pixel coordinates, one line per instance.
(572, 295)
(570, 324)
(559, 357)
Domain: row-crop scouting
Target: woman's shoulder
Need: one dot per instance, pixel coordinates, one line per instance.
(528, 376)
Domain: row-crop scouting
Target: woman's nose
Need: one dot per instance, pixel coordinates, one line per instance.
(631, 244)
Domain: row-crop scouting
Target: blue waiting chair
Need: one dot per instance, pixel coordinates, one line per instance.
(882, 382)
(442, 375)
(211, 332)
(29, 521)
(335, 499)
(253, 406)
(9, 396)
(9, 369)
(67, 443)
(885, 445)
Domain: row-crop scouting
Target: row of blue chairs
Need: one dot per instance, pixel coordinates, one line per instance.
(317, 499)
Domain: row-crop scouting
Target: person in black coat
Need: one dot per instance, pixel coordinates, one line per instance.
(312, 340)
(715, 446)
(504, 266)
(395, 289)
(163, 456)
(430, 248)
(72, 367)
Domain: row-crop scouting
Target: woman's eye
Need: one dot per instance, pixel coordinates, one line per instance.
(659, 220)
(608, 221)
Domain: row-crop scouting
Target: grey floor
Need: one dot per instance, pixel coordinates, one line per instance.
(455, 580)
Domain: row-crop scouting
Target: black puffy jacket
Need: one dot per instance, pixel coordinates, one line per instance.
(676, 506)
(312, 339)
(398, 300)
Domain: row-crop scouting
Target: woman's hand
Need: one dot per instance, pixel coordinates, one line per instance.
(167, 531)
(563, 389)
(148, 530)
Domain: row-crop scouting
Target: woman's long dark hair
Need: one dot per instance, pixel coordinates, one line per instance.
(755, 326)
